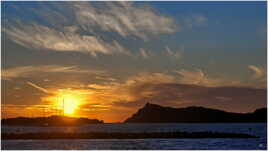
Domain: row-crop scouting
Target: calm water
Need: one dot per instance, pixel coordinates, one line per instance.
(250, 128)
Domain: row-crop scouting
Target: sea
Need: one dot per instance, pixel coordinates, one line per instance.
(256, 129)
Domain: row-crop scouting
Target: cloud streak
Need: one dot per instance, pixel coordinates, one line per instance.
(38, 87)
(170, 53)
(42, 37)
(116, 96)
(175, 94)
(125, 18)
(259, 72)
(259, 76)
(165, 89)
(198, 77)
(27, 71)
(80, 26)
(143, 53)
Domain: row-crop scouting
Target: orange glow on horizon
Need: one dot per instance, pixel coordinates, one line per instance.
(77, 103)
(70, 104)
(67, 100)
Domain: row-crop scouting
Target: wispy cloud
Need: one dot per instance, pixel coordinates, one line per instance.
(198, 77)
(26, 71)
(191, 77)
(180, 95)
(143, 53)
(258, 71)
(259, 76)
(42, 37)
(176, 54)
(195, 20)
(15, 110)
(162, 88)
(38, 87)
(109, 92)
(82, 31)
(124, 18)
(150, 78)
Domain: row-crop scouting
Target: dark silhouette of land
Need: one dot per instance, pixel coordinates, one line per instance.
(49, 121)
(101, 135)
(152, 113)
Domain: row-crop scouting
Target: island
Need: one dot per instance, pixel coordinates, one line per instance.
(153, 113)
(49, 121)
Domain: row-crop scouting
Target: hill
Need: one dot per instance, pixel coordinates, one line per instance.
(152, 113)
(49, 121)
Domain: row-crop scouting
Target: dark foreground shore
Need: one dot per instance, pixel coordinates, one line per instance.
(98, 135)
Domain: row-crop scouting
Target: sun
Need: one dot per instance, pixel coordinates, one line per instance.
(68, 102)
(70, 105)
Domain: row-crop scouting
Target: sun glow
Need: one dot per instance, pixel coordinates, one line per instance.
(68, 101)
(70, 105)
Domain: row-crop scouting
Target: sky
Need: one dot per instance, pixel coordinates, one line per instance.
(108, 59)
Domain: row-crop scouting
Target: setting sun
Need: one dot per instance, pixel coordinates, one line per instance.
(68, 101)
(70, 105)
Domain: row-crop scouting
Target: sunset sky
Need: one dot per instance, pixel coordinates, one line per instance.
(107, 59)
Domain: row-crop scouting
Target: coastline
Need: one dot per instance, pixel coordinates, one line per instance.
(102, 135)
